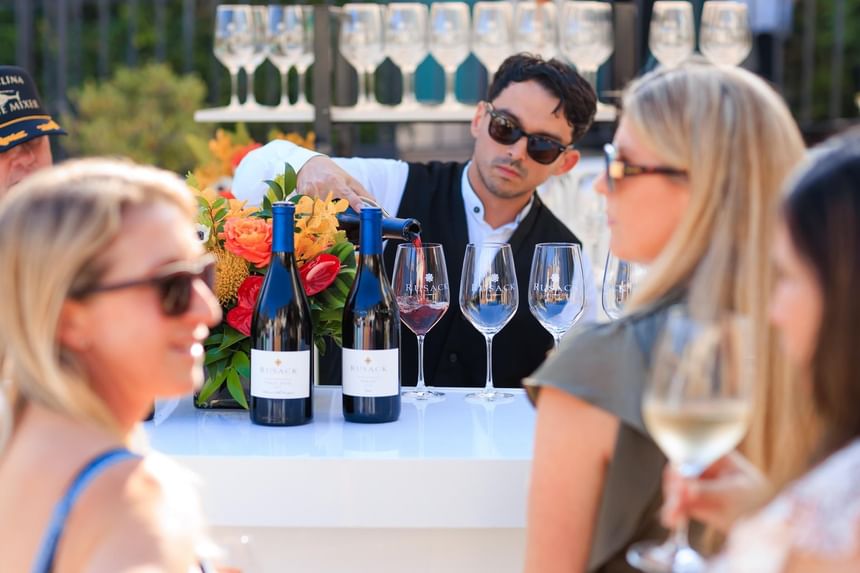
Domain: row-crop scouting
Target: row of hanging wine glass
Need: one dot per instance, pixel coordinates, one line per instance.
(407, 32)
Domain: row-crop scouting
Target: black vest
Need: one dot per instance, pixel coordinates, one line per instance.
(454, 352)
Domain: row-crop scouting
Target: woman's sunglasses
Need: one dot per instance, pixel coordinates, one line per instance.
(174, 284)
(617, 169)
(503, 130)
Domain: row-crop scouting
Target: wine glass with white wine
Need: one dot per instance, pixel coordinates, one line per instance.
(697, 407)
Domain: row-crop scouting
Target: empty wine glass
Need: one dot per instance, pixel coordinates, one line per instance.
(696, 406)
(536, 28)
(449, 41)
(291, 43)
(406, 42)
(557, 287)
(361, 43)
(587, 37)
(619, 280)
(259, 41)
(725, 34)
(233, 42)
(492, 37)
(422, 292)
(671, 36)
(489, 298)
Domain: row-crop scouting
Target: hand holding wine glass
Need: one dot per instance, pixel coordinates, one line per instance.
(696, 407)
(422, 292)
(557, 287)
(489, 298)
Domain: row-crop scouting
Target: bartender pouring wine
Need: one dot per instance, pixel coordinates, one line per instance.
(524, 133)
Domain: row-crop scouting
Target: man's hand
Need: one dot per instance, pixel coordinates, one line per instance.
(730, 488)
(321, 176)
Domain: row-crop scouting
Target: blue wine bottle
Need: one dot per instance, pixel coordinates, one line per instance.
(282, 336)
(392, 227)
(371, 334)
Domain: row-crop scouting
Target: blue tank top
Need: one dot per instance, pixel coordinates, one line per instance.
(44, 562)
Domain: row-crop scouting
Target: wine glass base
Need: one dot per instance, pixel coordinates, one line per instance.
(666, 558)
(493, 396)
(425, 395)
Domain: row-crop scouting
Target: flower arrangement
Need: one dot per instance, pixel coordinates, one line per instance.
(240, 239)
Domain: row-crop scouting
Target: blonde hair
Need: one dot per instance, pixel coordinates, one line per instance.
(55, 230)
(738, 142)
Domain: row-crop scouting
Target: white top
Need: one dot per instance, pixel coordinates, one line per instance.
(385, 179)
(817, 516)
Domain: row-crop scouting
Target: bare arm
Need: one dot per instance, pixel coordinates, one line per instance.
(574, 442)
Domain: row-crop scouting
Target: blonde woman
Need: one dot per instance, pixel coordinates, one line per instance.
(692, 177)
(106, 304)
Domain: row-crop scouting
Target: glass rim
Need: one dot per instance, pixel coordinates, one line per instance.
(559, 244)
(423, 245)
(487, 244)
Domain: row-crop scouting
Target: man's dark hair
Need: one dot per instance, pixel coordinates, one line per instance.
(578, 99)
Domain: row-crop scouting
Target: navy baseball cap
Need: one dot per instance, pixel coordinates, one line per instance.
(22, 116)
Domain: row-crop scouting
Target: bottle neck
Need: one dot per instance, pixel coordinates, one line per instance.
(282, 232)
(370, 242)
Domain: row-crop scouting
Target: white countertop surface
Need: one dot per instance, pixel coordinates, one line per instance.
(450, 464)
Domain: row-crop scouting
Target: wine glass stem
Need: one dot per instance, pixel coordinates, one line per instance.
(249, 87)
(556, 340)
(301, 98)
(489, 385)
(420, 387)
(362, 92)
(234, 88)
(591, 77)
(450, 95)
(371, 85)
(680, 536)
(285, 87)
(408, 87)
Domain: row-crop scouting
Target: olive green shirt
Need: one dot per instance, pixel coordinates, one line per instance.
(608, 365)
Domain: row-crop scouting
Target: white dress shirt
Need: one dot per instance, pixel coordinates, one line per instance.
(385, 179)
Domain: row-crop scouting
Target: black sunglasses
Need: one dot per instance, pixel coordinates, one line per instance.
(174, 282)
(616, 169)
(504, 130)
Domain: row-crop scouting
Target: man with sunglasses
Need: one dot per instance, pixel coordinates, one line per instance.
(524, 134)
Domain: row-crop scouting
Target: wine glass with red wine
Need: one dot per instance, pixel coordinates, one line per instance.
(422, 292)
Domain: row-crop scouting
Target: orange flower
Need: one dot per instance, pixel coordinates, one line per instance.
(249, 238)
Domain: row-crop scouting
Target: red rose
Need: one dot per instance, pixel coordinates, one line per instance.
(239, 317)
(318, 273)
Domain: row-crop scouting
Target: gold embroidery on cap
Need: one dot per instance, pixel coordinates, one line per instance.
(48, 125)
(4, 141)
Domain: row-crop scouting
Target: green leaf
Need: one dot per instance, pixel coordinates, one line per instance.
(289, 184)
(275, 192)
(241, 364)
(221, 213)
(234, 386)
(231, 337)
(210, 387)
(219, 203)
(191, 180)
(216, 354)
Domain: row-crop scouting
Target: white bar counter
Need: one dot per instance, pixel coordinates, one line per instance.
(337, 496)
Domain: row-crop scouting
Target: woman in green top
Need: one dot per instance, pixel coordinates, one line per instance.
(692, 178)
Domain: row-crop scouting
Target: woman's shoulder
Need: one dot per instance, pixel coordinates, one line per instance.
(817, 519)
(606, 364)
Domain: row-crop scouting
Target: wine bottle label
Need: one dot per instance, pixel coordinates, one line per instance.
(280, 375)
(371, 373)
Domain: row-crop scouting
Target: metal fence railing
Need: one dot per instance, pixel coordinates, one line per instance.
(65, 42)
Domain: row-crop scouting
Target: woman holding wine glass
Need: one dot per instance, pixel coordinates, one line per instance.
(689, 181)
(813, 525)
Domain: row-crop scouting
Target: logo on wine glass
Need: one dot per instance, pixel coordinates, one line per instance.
(494, 278)
(554, 282)
(428, 277)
